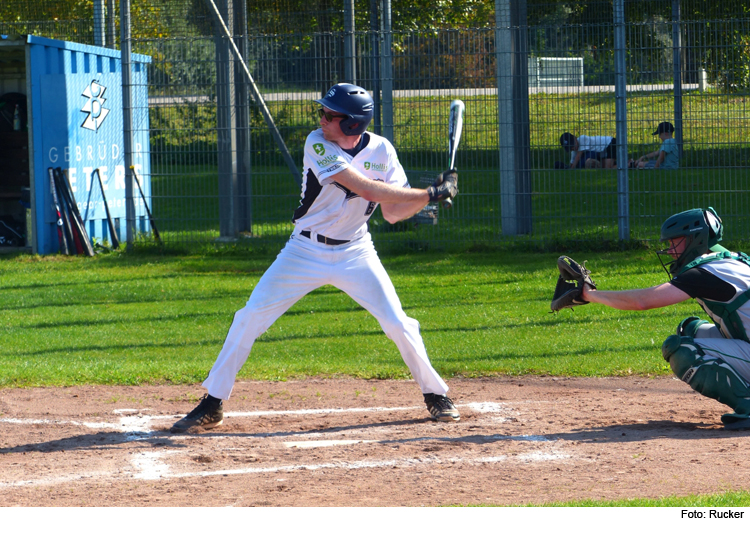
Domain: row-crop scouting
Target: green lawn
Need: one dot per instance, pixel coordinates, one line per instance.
(137, 319)
(727, 499)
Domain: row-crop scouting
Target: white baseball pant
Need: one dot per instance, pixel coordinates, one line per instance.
(301, 267)
(736, 353)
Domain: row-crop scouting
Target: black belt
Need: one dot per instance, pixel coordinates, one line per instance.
(323, 239)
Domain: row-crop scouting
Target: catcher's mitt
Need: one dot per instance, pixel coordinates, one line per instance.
(569, 288)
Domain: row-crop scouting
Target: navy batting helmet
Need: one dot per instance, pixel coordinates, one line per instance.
(352, 101)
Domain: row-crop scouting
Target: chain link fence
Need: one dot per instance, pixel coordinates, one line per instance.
(226, 143)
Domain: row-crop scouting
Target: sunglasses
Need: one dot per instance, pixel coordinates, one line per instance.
(330, 116)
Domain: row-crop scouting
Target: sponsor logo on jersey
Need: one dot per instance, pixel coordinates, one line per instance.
(332, 168)
(319, 149)
(328, 160)
(372, 166)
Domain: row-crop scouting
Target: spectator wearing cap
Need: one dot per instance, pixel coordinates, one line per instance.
(668, 155)
(590, 151)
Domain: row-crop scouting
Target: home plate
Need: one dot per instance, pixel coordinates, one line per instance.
(324, 443)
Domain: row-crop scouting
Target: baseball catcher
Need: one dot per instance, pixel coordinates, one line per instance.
(712, 358)
(570, 284)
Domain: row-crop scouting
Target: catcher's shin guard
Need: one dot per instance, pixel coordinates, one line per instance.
(709, 376)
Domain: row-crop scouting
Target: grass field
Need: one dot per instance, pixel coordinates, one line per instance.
(131, 319)
(134, 319)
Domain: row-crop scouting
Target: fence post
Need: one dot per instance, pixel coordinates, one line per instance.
(514, 138)
(386, 72)
(99, 22)
(375, 62)
(621, 122)
(677, 68)
(111, 24)
(226, 124)
(127, 120)
(242, 107)
(350, 56)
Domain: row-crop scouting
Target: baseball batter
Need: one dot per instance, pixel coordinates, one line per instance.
(714, 359)
(347, 173)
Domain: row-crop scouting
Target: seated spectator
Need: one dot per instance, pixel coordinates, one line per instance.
(668, 155)
(590, 151)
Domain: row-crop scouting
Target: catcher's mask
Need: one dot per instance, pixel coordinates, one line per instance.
(702, 230)
(354, 102)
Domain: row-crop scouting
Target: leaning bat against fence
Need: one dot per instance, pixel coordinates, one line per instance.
(148, 211)
(110, 223)
(74, 247)
(58, 212)
(77, 226)
(74, 243)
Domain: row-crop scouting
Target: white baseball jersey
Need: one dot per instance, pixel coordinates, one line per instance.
(328, 208)
(738, 275)
(717, 340)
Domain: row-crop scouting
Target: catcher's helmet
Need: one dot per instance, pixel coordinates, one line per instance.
(703, 231)
(353, 101)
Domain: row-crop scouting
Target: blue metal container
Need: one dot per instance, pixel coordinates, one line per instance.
(75, 110)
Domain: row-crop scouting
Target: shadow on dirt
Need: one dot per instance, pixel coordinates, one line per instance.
(652, 430)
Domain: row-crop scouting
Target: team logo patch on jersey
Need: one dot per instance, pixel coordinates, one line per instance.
(374, 166)
(328, 160)
(319, 149)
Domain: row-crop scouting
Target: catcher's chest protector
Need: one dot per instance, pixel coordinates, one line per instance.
(732, 317)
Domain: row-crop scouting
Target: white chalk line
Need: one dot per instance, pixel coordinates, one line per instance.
(151, 466)
(390, 463)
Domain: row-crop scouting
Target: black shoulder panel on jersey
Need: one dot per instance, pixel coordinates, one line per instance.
(699, 283)
(312, 190)
(349, 193)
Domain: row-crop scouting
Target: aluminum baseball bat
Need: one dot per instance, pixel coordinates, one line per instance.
(455, 126)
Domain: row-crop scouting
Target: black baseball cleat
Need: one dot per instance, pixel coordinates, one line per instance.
(441, 408)
(208, 414)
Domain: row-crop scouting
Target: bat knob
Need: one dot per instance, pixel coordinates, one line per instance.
(447, 203)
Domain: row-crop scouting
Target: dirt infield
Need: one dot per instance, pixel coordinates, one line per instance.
(368, 443)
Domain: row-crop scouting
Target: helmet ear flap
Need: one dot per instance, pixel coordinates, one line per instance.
(715, 227)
